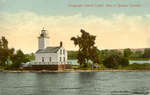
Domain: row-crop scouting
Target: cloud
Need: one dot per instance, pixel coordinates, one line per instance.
(118, 31)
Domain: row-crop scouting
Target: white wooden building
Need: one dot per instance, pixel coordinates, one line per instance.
(49, 54)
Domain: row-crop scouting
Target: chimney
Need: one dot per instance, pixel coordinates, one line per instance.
(61, 44)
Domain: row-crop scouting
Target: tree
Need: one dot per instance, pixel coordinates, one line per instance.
(5, 52)
(127, 52)
(104, 54)
(124, 62)
(137, 54)
(112, 61)
(30, 56)
(94, 52)
(72, 54)
(146, 53)
(0, 43)
(18, 59)
(4, 42)
(7, 55)
(87, 51)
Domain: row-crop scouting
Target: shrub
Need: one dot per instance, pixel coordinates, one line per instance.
(114, 61)
(136, 66)
(124, 62)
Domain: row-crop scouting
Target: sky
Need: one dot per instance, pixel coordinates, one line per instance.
(117, 24)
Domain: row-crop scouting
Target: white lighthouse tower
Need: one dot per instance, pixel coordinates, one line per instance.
(43, 39)
(49, 55)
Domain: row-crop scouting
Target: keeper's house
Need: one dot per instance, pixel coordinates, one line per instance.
(49, 57)
(48, 54)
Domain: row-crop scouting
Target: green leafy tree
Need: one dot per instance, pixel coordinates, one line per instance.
(18, 59)
(4, 42)
(137, 54)
(124, 61)
(30, 57)
(87, 51)
(146, 53)
(7, 55)
(115, 52)
(127, 52)
(104, 54)
(5, 52)
(112, 61)
(72, 54)
(94, 55)
(0, 43)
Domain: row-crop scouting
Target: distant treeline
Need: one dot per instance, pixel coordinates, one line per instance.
(115, 59)
(131, 54)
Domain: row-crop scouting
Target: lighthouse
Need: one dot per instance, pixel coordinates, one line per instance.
(43, 39)
(49, 55)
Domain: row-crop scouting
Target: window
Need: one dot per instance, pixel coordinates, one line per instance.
(60, 59)
(64, 52)
(50, 59)
(42, 59)
(60, 51)
(64, 59)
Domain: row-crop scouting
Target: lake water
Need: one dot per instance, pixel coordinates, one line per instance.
(89, 83)
(139, 61)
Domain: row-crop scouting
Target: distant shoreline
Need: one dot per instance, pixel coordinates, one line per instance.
(71, 71)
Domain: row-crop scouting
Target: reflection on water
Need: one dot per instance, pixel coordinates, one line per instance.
(89, 83)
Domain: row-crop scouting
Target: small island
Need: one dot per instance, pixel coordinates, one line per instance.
(88, 58)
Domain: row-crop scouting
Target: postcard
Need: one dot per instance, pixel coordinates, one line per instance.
(74, 47)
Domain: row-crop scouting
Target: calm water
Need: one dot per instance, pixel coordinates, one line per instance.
(98, 83)
(139, 61)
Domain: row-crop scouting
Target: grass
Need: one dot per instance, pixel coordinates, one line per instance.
(134, 66)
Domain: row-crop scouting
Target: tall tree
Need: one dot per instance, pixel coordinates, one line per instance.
(4, 42)
(87, 51)
(4, 51)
